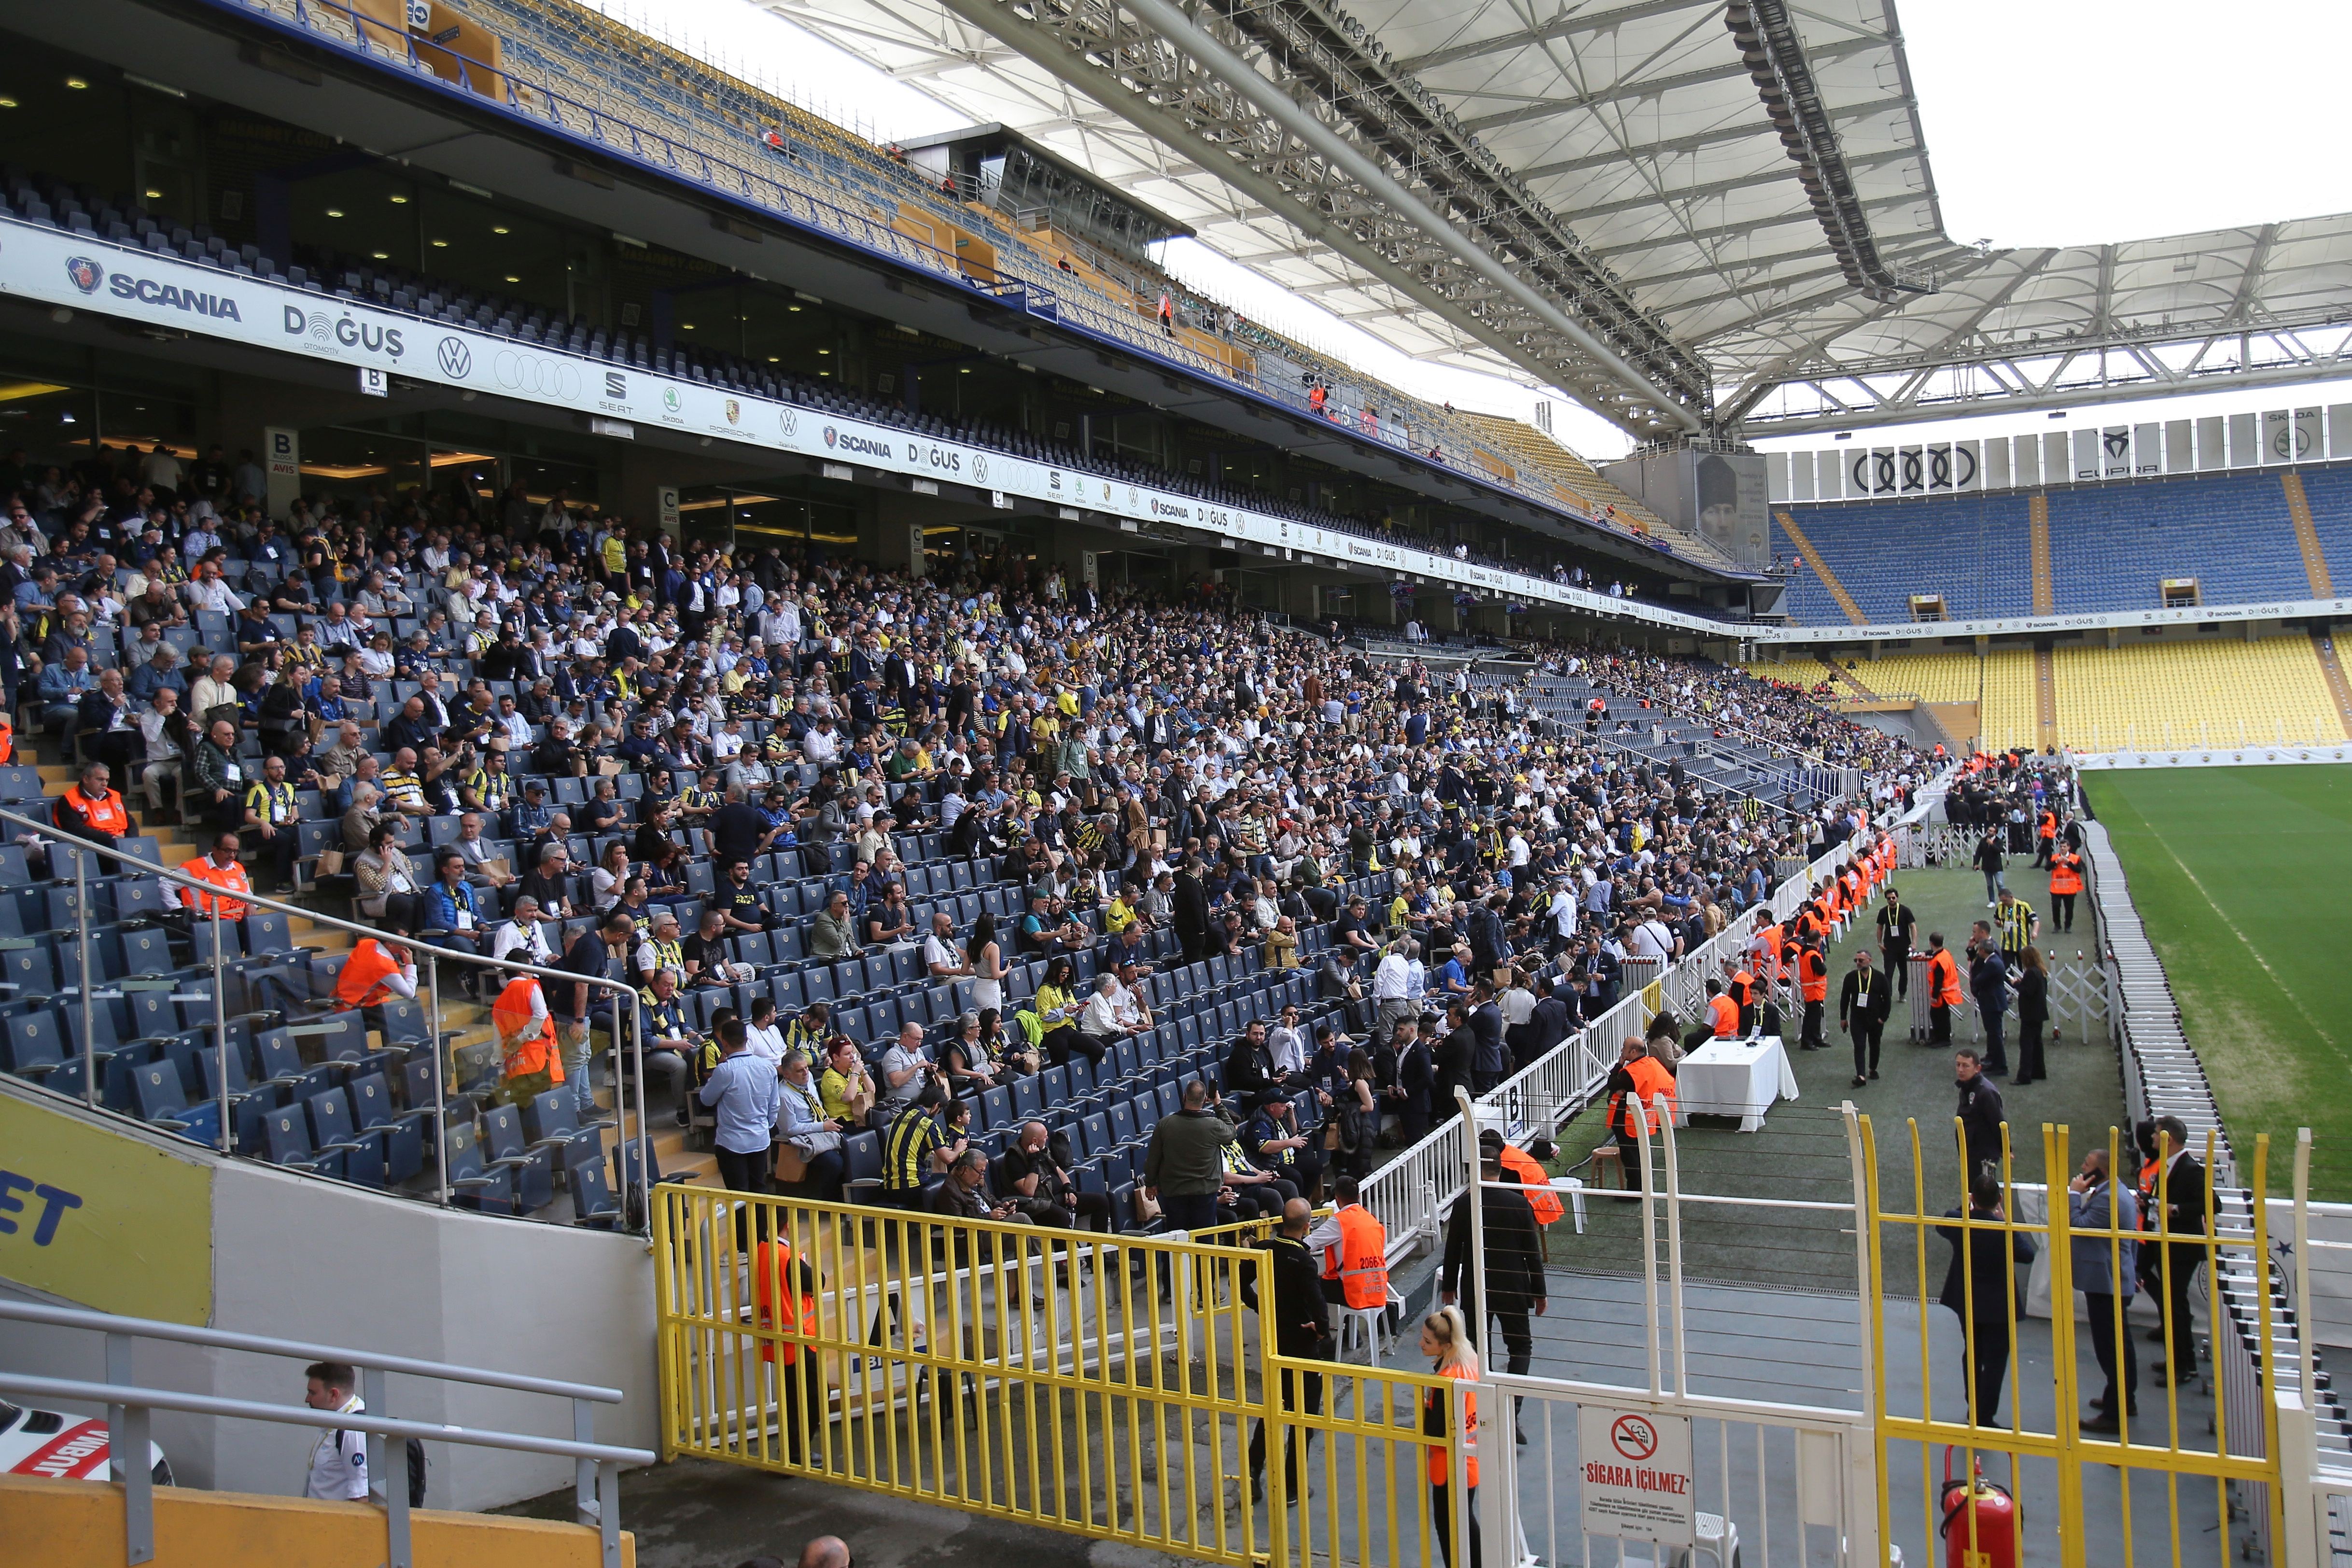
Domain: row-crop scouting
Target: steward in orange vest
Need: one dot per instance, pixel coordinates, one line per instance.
(2066, 885)
(1814, 986)
(1356, 1266)
(1944, 992)
(1741, 989)
(1642, 1093)
(1535, 1180)
(781, 1283)
(7, 740)
(526, 1041)
(1722, 1012)
(224, 870)
(2048, 834)
(89, 810)
(374, 971)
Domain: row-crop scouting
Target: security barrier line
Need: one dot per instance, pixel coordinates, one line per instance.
(1054, 1377)
(2249, 1459)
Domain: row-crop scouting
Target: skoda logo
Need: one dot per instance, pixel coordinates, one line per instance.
(85, 274)
(456, 359)
(670, 398)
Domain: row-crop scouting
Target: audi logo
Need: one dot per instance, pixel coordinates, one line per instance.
(528, 372)
(1935, 468)
(456, 359)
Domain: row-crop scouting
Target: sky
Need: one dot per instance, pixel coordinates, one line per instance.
(2193, 118)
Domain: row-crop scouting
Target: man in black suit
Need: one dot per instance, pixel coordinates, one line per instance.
(2173, 1263)
(1514, 1260)
(1980, 1113)
(1289, 1287)
(1863, 1002)
(1978, 1287)
(1988, 984)
(1190, 915)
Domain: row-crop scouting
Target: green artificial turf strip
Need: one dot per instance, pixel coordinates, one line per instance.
(2235, 872)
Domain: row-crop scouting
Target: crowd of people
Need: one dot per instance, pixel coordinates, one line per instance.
(1139, 762)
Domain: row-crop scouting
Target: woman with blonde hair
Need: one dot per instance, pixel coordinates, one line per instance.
(1446, 1340)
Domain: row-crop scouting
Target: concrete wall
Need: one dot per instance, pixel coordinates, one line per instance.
(303, 1258)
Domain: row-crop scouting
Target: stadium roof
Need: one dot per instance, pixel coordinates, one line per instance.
(1740, 191)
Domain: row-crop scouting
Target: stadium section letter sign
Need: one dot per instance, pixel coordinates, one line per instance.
(81, 272)
(1634, 1470)
(103, 1220)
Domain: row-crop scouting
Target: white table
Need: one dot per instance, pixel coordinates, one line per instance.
(1735, 1078)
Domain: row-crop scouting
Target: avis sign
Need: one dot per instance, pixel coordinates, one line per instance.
(1635, 1475)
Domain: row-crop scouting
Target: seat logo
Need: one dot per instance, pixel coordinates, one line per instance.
(456, 359)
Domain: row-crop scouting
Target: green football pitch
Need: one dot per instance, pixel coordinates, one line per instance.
(2236, 873)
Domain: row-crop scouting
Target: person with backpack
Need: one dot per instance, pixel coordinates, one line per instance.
(339, 1461)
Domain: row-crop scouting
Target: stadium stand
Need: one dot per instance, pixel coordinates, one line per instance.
(2222, 691)
(988, 766)
(1972, 549)
(637, 97)
(2111, 546)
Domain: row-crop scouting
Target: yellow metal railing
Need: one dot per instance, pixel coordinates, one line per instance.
(2046, 1457)
(1106, 1387)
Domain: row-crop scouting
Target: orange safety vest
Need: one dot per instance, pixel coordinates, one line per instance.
(1359, 1261)
(2049, 824)
(1814, 974)
(1440, 1473)
(361, 984)
(1768, 939)
(2065, 872)
(525, 1053)
(1727, 1015)
(1651, 1083)
(103, 815)
(1944, 978)
(1535, 1180)
(1742, 990)
(768, 1286)
(229, 878)
(8, 739)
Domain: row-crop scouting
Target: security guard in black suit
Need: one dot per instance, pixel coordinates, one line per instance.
(2180, 1191)
(1302, 1328)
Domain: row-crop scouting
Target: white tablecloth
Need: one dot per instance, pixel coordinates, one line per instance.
(1735, 1078)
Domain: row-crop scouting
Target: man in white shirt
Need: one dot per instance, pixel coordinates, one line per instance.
(1286, 1043)
(523, 932)
(339, 1460)
(1650, 939)
(1392, 985)
(941, 959)
(1100, 1019)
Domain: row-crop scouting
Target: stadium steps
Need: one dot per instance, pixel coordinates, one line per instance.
(1845, 600)
(2332, 669)
(2045, 698)
(2306, 537)
(2045, 594)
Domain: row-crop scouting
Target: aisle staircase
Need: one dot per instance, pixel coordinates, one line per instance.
(1845, 600)
(2045, 582)
(2306, 537)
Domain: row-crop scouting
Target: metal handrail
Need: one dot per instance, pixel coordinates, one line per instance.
(266, 1344)
(596, 1466)
(624, 998)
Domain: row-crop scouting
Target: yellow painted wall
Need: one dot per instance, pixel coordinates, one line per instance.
(100, 1219)
(79, 1524)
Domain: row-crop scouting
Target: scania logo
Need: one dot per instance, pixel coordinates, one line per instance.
(456, 359)
(831, 436)
(84, 273)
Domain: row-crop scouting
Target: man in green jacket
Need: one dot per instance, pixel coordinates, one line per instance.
(1183, 1167)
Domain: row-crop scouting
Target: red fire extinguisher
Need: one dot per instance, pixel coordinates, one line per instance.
(1993, 1544)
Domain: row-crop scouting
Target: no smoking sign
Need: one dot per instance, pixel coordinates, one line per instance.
(1634, 1472)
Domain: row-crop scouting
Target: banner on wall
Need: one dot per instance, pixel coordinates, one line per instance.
(101, 1219)
(2310, 441)
(282, 478)
(2278, 436)
(2115, 452)
(74, 269)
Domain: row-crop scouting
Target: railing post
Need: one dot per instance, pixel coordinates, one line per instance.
(583, 1470)
(220, 1037)
(126, 1434)
(608, 1512)
(440, 1076)
(388, 1473)
(81, 926)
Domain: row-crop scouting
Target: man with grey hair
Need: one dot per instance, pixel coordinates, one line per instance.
(1392, 987)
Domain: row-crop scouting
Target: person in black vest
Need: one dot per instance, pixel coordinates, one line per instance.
(1863, 1002)
(1302, 1329)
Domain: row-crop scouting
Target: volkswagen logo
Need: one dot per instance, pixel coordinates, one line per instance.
(979, 469)
(456, 359)
(788, 422)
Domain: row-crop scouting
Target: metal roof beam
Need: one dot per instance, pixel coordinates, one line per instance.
(1647, 87)
(1673, 146)
(1691, 235)
(1779, 172)
(1570, 26)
